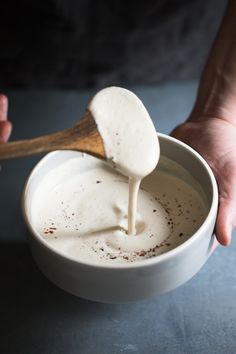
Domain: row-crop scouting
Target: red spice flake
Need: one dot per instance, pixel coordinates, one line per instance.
(154, 210)
(126, 257)
(52, 228)
(113, 257)
(51, 232)
(46, 232)
(168, 244)
(101, 249)
(142, 253)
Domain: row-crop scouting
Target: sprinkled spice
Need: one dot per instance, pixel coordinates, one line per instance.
(170, 211)
(142, 253)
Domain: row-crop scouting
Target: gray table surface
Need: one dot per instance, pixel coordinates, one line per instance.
(36, 317)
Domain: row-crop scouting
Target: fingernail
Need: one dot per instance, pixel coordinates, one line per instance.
(3, 107)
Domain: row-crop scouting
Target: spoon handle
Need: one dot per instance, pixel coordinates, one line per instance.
(83, 137)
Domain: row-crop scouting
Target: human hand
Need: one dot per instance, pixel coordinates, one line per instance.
(5, 125)
(215, 140)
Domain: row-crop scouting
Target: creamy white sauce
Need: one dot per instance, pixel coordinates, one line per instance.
(129, 137)
(86, 209)
(80, 209)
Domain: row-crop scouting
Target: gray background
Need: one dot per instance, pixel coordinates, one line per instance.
(38, 318)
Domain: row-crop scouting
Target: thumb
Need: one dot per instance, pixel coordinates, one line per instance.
(225, 220)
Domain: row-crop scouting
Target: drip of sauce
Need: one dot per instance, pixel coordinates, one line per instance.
(129, 137)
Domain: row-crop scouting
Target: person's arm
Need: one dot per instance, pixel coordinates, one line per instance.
(217, 89)
(211, 127)
(5, 125)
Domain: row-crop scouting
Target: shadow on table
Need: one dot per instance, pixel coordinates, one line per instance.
(33, 310)
(25, 288)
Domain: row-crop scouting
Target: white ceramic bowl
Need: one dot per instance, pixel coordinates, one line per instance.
(133, 281)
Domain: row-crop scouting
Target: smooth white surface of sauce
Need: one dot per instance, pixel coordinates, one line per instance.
(80, 209)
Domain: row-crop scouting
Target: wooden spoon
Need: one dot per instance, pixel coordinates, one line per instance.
(83, 136)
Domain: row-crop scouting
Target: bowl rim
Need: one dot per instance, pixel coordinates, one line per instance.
(169, 255)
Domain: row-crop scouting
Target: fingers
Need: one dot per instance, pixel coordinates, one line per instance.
(3, 107)
(5, 131)
(5, 125)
